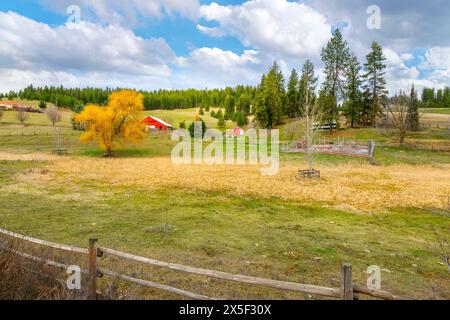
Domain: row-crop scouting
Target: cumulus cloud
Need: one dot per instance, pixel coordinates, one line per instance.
(39, 49)
(405, 24)
(285, 29)
(105, 51)
(214, 67)
(88, 54)
(14, 79)
(437, 58)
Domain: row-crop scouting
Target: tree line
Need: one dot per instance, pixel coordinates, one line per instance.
(354, 90)
(158, 99)
(432, 98)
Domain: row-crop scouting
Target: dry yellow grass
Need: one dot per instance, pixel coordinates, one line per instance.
(361, 188)
(27, 156)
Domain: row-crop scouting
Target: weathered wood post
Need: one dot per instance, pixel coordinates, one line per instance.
(92, 281)
(346, 282)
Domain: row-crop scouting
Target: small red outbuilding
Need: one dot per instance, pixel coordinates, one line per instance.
(157, 124)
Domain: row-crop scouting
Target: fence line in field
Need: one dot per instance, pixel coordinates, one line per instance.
(347, 291)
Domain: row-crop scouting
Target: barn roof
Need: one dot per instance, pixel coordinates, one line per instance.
(161, 121)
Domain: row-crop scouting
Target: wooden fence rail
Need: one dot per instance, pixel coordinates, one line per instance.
(347, 291)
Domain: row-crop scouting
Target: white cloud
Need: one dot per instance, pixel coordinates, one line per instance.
(212, 32)
(127, 12)
(36, 50)
(284, 29)
(13, 79)
(214, 67)
(437, 58)
(407, 57)
(87, 54)
(100, 55)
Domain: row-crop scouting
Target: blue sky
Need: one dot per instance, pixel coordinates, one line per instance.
(151, 44)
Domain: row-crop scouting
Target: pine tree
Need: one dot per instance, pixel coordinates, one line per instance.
(375, 81)
(280, 84)
(42, 105)
(413, 116)
(244, 104)
(268, 102)
(241, 119)
(335, 57)
(229, 107)
(353, 95)
(326, 103)
(192, 127)
(308, 83)
(292, 97)
(221, 123)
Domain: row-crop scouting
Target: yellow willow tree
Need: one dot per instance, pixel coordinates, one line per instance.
(118, 122)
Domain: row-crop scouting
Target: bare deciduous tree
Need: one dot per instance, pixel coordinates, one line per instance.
(442, 244)
(53, 114)
(311, 126)
(399, 121)
(22, 115)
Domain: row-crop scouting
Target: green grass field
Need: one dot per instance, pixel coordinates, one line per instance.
(436, 110)
(270, 237)
(175, 117)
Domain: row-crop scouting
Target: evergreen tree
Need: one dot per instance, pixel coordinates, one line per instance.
(192, 127)
(292, 97)
(241, 119)
(375, 81)
(229, 107)
(243, 104)
(413, 116)
(219, 114)
(221, 123)
(42, 105)
(308, 83)
(280, 84)
(352, 90)
(435, 99)
(335, 57)
(326, 104)
(268, 102)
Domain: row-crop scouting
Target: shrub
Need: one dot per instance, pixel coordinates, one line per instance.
(192, 128)
(42, 105)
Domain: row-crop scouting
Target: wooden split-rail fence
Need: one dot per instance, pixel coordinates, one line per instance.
(348, 289)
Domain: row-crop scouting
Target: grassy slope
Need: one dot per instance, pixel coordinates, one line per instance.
(436, 110)
(31, 103)
(174, 117)
(269, 238)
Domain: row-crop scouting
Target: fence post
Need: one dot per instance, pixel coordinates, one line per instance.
(92, 282)
(346, 282)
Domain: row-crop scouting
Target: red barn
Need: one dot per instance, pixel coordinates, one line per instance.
(157, 124)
